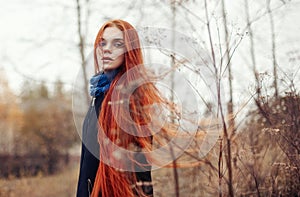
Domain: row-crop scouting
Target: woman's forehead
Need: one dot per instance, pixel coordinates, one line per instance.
(112, 33)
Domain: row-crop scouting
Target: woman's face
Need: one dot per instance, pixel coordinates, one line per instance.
(111, 49)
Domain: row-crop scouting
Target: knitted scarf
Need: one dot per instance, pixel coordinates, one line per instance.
(100, 83)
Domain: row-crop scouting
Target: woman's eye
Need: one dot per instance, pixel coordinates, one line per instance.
(118, 44)
(102, 43)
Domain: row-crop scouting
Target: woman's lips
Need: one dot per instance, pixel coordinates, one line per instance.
(107, 60)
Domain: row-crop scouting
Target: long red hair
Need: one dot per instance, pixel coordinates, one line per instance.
(111, 182)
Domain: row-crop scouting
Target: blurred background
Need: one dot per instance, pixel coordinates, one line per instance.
(254, 55)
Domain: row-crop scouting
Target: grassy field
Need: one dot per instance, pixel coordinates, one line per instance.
(192, 182)
(64, 184)
(60, 185)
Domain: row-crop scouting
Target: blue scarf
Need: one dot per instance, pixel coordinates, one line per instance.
(100, 83)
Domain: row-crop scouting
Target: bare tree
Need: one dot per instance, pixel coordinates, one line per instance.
(173, 26)
(273, 41)
(252, 52)
(82, 46)
(228, 66)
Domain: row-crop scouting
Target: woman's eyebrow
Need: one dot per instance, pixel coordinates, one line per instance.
(114, 39)
(118, 39)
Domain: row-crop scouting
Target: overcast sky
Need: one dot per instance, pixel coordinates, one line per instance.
(39, 37)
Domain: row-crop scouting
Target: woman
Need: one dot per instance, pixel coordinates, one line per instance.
(118, 66)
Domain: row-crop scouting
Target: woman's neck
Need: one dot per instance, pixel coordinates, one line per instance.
(111, 73)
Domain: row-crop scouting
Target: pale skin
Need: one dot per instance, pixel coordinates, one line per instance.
(111, 49)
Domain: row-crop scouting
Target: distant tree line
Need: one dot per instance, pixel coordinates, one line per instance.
(40, 134)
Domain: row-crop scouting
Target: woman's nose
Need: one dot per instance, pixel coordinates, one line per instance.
(107, 48)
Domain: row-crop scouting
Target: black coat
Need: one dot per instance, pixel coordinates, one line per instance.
(90, 149)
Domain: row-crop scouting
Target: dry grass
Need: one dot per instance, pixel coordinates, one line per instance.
(64, 184)
(193, 181)
(196, 181)
(61, 185)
